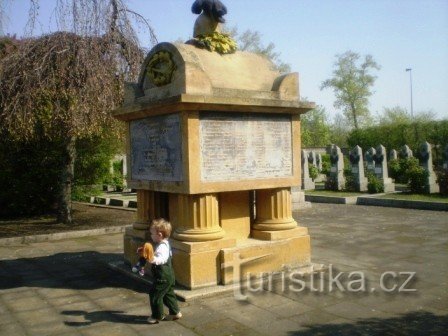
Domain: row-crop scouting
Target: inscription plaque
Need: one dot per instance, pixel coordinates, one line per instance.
(156, 148)
(245, 146)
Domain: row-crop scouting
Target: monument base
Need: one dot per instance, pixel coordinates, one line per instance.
(220, 262)
(298, 199)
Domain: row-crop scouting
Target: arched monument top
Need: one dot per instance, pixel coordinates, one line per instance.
(174, 69)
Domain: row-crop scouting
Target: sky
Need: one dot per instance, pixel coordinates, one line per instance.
(308, 34)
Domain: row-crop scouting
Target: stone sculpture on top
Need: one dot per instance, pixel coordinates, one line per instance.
(207, 28)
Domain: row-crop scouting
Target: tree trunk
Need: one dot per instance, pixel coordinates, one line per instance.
(66, 181)
(355, 119)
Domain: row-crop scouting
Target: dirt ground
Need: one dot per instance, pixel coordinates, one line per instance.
(85, 217)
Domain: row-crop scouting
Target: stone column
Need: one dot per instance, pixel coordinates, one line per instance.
(406, 152)
(274, 211)
(357, 168)
(319, 161)
(149, 206)
(145, 209)
(196, 218)
(393, 155)
(431, 185)
(380, 159)
(336, 180)
(307, 181)
(445, 160)
(312, 158)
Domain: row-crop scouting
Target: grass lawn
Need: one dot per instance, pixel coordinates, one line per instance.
(417, 197)
(334, 193)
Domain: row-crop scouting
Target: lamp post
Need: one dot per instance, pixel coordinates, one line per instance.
(410, 78)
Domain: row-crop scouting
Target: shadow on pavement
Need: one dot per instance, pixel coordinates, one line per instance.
(414, 323)
(75, 270)
(116, 316)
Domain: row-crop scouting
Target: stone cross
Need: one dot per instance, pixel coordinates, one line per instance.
(307, 182)
(357, 168)
(431, 185)
(406, 152)
(336, 180)
(380, 159)
(393, 155)
(370, 163)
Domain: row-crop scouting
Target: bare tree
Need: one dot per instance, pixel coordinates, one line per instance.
(62, 86)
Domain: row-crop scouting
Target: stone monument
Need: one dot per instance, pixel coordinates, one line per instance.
(445, 159)
(393, 155)
(205, 129)
(319, 161)
(431, 185)
(357, 168)
(370, 162)
(381, 172)
(406, 152)
(336, 180)
(307, 181)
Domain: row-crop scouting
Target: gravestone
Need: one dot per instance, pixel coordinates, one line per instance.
(393, 155)
(431, 185)
(380, 159)
(370, 162)
(312, 158)
(406, 152)
(206, 129)
(307, 182)
(357, 168)
(445, 159)
(336, 179)
(319, 161)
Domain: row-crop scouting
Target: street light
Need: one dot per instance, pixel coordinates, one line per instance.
(410, 78)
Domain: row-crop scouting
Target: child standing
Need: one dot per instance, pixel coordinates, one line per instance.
(162, 291)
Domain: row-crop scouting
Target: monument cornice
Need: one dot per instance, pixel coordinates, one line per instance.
(188, 102)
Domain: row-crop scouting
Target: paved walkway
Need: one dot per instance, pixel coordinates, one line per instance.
(65, 288)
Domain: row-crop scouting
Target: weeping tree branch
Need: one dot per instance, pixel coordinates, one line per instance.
(62, 86)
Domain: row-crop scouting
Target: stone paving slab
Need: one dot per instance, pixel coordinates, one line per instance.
(65, 287)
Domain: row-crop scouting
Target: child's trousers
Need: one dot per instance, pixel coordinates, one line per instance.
(162, 292)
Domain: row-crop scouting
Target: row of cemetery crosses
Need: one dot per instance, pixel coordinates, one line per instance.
(374, 171)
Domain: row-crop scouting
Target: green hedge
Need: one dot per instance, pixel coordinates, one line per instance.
(396, 136)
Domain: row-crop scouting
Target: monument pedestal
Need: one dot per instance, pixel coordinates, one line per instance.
(205, 131)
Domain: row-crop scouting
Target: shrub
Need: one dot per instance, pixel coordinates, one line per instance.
(417, 177)
(313, 171)
(28, 171)
(350, 182)
(326, 165)
(374, 185)
(395, 170)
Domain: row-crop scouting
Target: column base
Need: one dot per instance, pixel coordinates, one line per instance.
(198, 235)
(275, 224)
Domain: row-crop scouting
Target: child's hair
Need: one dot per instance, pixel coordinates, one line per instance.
(163, 226)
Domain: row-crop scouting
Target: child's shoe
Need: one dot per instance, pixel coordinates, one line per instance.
(152, 320)
(177, 316)
(138, 269)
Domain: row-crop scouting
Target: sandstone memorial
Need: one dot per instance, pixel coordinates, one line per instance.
(208, 125)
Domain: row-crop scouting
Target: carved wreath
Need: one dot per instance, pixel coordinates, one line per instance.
(160, 68)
